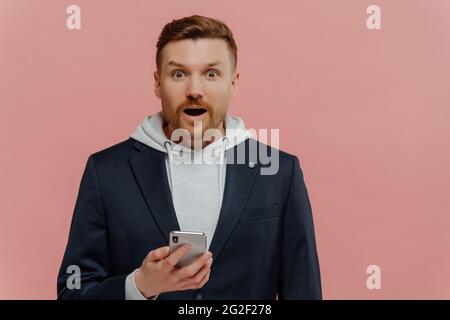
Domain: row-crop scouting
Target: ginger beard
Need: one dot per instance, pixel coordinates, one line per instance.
(193, 113)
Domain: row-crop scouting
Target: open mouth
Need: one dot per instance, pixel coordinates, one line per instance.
(194, 112)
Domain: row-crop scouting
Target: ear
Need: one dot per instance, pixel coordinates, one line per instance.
(157, 84)
(234, 83)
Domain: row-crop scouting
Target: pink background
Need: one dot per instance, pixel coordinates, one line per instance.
(366, 111)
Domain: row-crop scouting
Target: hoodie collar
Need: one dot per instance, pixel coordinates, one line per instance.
(150, 132)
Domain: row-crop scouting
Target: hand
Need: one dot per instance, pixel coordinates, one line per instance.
(158, 272)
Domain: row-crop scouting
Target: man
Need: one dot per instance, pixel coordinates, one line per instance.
(260, 232)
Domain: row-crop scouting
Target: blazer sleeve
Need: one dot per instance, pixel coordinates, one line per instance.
(87, 247)
(300, 271)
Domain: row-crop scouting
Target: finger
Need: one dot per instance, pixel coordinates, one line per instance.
(175, 256)
(200, 282)
(194, 267)
(157, 254)
(187, 284)
(197, 278)
(205, 279)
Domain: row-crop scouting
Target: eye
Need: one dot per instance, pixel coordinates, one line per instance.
(212, 74)
(177, 74)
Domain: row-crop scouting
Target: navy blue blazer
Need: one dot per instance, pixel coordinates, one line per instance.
(263, 246)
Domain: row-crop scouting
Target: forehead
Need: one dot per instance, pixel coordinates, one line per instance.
(196, 53)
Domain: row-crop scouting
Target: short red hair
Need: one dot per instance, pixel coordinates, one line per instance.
(195, 27)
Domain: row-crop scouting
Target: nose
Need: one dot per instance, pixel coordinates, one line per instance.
(194, 89)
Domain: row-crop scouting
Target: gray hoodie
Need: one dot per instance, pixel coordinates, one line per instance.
(196, 186)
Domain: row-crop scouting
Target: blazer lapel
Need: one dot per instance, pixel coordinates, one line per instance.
(149, 169)
(238, 185)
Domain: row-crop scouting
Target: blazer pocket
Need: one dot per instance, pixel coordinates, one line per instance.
(263, 213)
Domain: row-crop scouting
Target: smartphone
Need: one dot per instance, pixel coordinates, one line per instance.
(197, 240)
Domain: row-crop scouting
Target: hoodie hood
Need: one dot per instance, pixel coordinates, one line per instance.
(150, 132)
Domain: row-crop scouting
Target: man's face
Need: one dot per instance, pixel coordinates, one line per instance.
(195, 83)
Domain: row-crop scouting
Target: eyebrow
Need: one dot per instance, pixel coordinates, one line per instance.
(176, 64)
